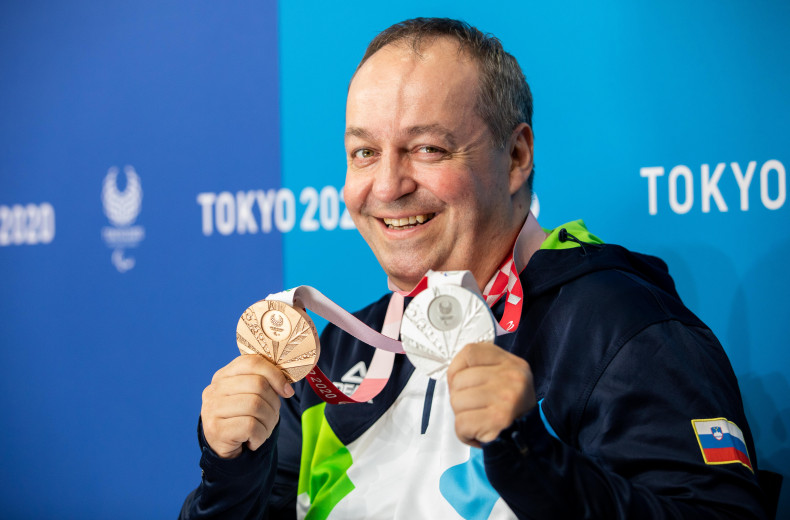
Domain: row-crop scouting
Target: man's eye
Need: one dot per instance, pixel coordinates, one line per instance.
(430, 149)
(364, 153)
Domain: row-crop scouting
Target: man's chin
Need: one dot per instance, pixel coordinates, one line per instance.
(407, 279)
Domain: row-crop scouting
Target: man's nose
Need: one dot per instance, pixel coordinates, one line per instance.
(394, 178)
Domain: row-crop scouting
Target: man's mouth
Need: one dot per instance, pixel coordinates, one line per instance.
(407, 222)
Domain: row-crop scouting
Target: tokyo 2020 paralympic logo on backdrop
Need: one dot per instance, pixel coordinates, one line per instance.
(122, 209)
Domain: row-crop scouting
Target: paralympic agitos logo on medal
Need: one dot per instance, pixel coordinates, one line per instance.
(122, 208)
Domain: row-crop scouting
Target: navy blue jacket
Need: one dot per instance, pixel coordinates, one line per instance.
(621, 368)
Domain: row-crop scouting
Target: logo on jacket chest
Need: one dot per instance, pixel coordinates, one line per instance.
(351, 380)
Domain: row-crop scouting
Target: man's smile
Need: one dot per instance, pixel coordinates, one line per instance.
(407, 222)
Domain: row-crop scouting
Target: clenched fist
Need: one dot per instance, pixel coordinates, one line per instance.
(242, 405)
(489, 389)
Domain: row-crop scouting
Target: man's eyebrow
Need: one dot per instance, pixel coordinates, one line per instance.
(435, 129)
(414, 131)
(355, 131)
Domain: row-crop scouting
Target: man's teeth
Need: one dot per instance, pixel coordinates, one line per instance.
(408, 221)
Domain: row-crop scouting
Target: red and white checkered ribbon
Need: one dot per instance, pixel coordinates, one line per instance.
(506, 281)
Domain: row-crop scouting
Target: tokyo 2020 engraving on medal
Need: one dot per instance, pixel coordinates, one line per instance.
(439, 322)
(284, 335)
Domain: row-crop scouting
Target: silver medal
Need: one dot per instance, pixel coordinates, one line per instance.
(439, 322)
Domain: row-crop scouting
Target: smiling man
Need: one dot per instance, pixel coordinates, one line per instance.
(607, 398)
(428, 186)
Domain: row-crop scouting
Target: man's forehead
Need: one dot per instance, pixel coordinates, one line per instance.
(420, 46)
(399, 93)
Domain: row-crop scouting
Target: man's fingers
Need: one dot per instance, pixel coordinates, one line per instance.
(243, 384)
(473, 355)
(509, 388)
(479, 426)
(240, 405)
(252, 364)
(235, 432)
(489, 388)
(498, 407)
(470, 399)
(471, 377)
(480, 364)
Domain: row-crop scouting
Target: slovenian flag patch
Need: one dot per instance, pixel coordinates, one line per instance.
(721, 442)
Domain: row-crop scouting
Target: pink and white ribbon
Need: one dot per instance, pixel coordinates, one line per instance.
(504, 282)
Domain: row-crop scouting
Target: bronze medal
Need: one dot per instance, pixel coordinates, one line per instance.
(284, 335)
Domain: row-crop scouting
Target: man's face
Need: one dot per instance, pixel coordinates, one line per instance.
(425, 186)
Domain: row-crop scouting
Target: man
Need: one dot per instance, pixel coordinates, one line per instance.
(600, 403)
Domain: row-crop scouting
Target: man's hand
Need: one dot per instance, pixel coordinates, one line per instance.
(242, 404)
(489, 389)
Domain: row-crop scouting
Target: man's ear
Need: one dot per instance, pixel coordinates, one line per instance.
(520, 145)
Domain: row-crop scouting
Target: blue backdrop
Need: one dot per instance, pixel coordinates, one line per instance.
(164, 165)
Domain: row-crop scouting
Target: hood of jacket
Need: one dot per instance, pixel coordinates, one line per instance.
(571, 251)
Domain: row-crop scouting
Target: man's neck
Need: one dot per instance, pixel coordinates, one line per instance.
(525, 242)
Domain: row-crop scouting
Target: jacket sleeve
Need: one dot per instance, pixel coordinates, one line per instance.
(233, 488)
(625, 446)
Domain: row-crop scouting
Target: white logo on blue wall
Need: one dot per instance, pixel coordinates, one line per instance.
(122, 208)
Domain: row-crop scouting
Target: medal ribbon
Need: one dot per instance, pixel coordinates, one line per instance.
(504, 282)
(386, 343)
